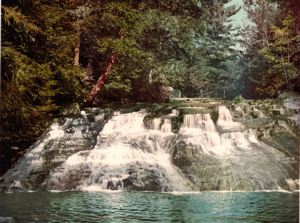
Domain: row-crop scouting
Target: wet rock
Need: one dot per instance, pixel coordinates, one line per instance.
(69, 157)
(256, 113)
(111, 185)
(72, 109)
(128, 182)
(69, 136)
(16, 186)
(238, 111)
(182, 156)
(7, 220)
(294, 184)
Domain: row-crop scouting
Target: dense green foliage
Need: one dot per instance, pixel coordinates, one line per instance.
(177, 44)
(53, 53)
(37, 76)
(273, 46)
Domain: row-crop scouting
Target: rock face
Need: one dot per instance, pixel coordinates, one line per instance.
(184, 145)
(228, 156)
(64, 138)
(72, 109)
(293, 104)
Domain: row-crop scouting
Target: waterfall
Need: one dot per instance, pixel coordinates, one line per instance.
(105, 150)
(224, 115)
(167, 126)
(33, 160)
(244, 160)
(200, 130)
(124, 146)
(163, 125)
(225, 120)
(156, 124)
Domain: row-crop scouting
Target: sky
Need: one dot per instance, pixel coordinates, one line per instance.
(238, 20)
(241, 17)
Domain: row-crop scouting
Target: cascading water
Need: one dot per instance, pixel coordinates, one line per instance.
(126, 153)
(242, 161)
(98, 151)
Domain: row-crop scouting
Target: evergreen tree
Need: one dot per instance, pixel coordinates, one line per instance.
(273, 43)
(37, 78)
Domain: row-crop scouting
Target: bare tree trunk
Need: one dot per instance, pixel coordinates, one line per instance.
(77, 49)
(102, 79)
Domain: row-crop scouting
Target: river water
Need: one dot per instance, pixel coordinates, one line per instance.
(241, 207)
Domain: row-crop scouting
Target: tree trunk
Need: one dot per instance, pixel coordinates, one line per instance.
(102, 79)
(77, 49)
(295, 7)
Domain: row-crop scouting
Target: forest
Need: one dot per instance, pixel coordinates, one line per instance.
(59, 53)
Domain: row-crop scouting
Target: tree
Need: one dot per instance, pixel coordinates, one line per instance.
(38, 77)
(151, 36)
(271, 46)
(277, 54)
(220, 58)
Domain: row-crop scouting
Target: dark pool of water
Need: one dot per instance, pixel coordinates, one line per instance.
(241, 207)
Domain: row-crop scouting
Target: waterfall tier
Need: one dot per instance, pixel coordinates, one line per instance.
(116, 151)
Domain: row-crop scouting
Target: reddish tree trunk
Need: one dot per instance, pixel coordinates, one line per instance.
(102, 79)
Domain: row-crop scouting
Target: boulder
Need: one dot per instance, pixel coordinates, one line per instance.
(72, 109)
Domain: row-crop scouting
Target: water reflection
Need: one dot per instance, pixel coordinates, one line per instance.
(150, 207)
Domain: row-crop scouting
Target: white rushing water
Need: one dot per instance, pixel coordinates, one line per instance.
(201, 131)
(131, 152)
(242, 156)
(33, 159)
(123, 143)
